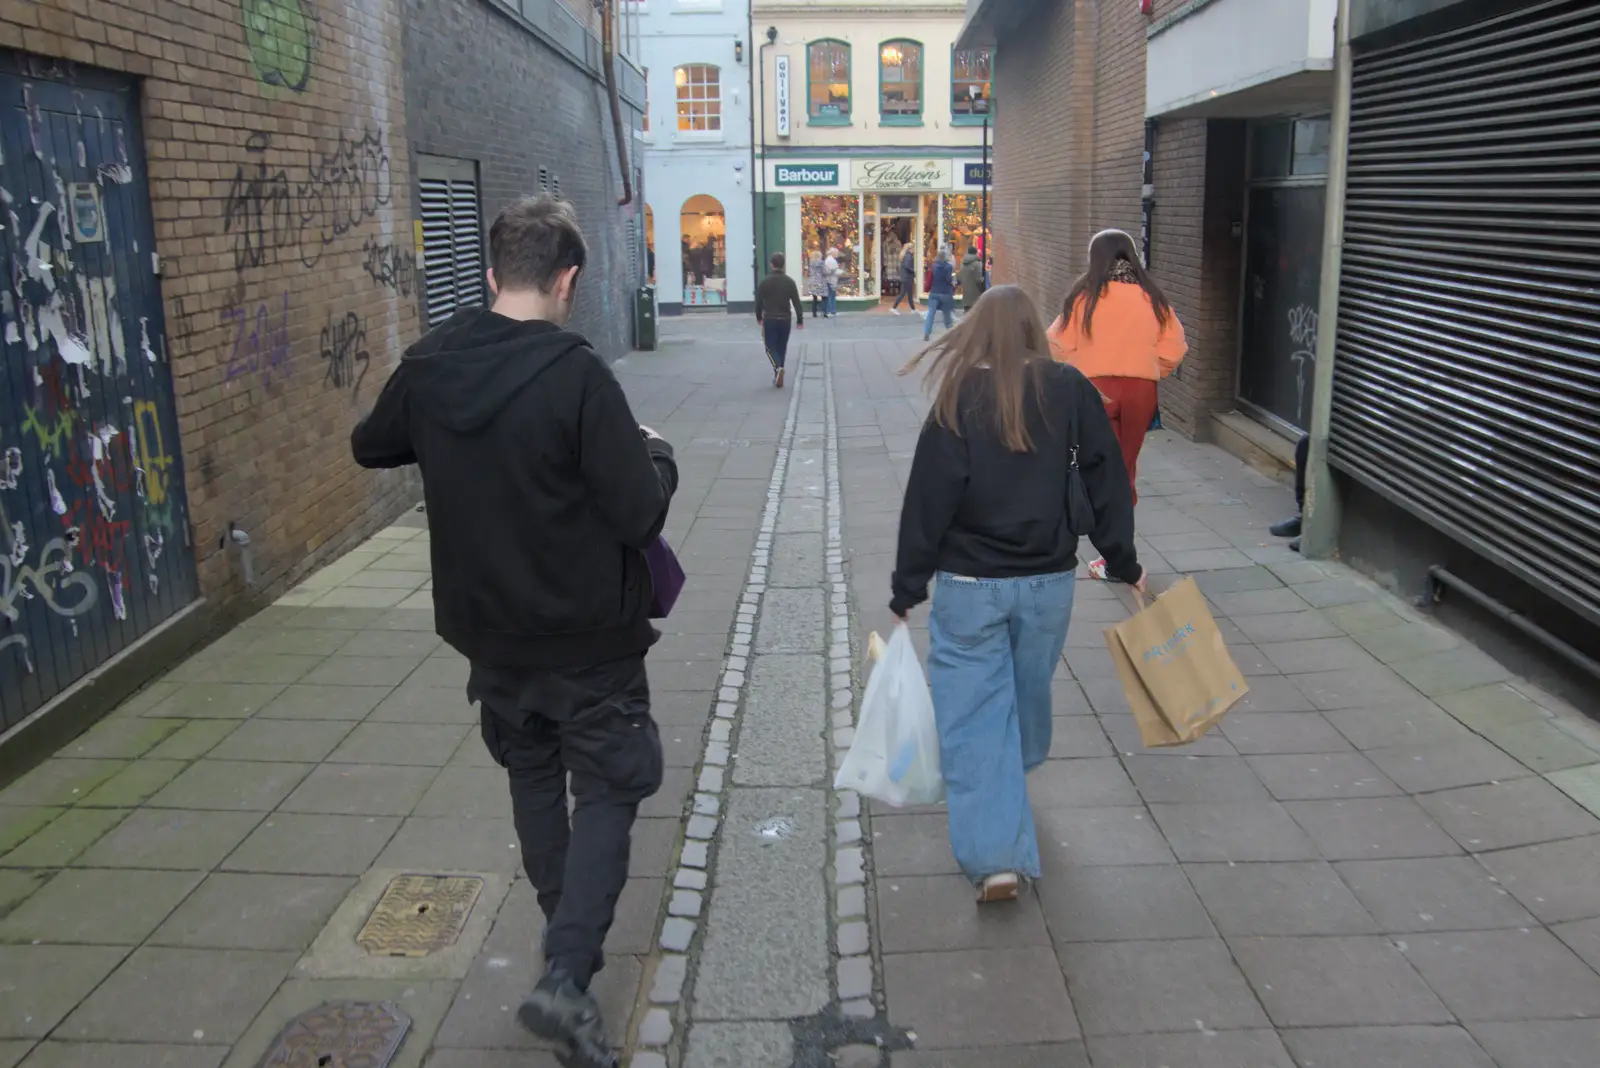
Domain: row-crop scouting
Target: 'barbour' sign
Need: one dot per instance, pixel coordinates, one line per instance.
(805, 174)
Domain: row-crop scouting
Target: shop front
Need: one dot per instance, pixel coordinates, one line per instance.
(867, 211)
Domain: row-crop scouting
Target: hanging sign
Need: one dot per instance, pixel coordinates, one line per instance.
(780, 81)
(899, 175)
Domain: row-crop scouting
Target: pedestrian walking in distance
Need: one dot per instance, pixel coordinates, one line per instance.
(542, 493)
(941, 292)
(830, 280)
(972, 283)
(1119, 330)
(908, 279)
(816, 283)
(776, 294)
(986, 519)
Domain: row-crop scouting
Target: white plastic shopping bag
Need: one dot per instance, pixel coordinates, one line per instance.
(895, 755)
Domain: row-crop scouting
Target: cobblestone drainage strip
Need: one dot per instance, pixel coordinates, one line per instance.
(340, 1034)
(419, 914)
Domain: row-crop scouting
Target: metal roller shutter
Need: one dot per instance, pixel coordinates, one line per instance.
(1467, 382)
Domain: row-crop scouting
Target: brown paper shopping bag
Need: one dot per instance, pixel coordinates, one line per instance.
(1174, 667)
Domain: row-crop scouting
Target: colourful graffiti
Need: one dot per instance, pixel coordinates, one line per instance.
(278, 34)
(154, 460)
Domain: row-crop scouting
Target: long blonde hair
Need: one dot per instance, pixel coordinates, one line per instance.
(1003, 338)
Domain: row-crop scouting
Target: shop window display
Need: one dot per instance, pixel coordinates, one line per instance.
(963, 223)
(703, 226)
(834, 222)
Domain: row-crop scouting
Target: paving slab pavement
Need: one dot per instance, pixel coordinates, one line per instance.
(1389, 854)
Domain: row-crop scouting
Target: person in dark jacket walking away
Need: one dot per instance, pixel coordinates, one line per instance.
(908, 279)
(776, 294)
(543, 493)
(986, 517)
(972, 284)
(941, 292)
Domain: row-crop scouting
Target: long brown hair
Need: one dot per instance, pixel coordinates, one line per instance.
(1111, 251)
(1003, 341)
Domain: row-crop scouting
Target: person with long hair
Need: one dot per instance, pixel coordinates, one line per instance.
(1118, 328)
(986, 519)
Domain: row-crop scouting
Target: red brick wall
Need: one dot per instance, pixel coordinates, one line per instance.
(1069, 161)
(266, 200)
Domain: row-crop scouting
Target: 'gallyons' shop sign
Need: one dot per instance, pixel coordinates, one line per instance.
(805, 174)
(899, 175)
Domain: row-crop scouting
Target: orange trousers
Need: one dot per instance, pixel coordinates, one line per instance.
(1132, 407)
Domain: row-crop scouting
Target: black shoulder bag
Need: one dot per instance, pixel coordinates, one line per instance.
(1080, 510)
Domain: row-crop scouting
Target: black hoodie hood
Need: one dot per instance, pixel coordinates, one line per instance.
(465, 371)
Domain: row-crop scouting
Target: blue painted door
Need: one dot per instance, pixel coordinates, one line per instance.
(93, 522)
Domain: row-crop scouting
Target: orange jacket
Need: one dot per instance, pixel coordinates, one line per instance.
(1125, 341)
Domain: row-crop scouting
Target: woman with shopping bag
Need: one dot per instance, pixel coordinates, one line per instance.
(1016, 460)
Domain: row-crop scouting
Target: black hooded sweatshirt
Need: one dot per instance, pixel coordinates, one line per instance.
(542, 491)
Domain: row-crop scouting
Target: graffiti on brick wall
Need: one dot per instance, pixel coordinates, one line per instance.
(390, 266)
(273, 214)
(259, 341)
(279, 35)
(344, 352)
(93, 465)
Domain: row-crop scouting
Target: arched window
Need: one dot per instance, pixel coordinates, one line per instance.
(699, 97)
(828, 83)
(900, 83)
(970, 84)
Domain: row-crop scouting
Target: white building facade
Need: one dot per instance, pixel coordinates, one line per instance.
(696, 151)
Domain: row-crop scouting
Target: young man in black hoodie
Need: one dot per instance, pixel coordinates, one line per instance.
(542, 493)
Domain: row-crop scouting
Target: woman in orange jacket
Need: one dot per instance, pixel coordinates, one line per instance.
(1119, 330)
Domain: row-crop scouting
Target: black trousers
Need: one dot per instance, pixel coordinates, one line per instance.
(775, 332)
(1302, 457)
(592, 727)
(908, 291)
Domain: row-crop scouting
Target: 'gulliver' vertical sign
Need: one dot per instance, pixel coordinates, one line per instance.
(780, 81)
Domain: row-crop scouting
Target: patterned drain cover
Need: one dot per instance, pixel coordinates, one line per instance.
(341, 1034)
(419, 914)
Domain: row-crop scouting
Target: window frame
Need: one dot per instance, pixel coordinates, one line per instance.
(678, 100)
(970, 119)
(885, 119)
(813, 119)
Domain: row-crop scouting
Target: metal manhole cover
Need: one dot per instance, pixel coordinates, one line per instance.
(418, 914)
(340, 1034)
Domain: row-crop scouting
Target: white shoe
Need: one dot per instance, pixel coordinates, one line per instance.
(1002, 886)
(894, 311)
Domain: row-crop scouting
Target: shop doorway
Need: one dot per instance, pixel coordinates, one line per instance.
(1283, 271)
(897, 227)
(703, 229)
(650, 243)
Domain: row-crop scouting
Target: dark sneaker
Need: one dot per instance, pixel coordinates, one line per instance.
(1289, 528)
(559, 1012)
(1294, 546)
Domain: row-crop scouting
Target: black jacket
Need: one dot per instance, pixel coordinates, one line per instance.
(542, 492)
(975, 508)
(776, 296)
